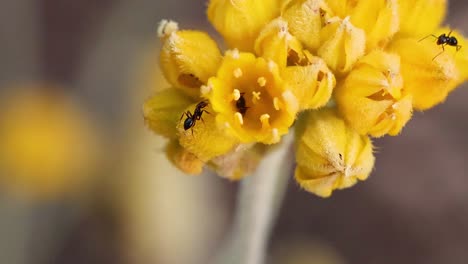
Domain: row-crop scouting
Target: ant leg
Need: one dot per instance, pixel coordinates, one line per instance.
(438, 54)
(432, 35)
(182, 116)
(204, 111)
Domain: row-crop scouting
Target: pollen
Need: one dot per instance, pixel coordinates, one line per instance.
(237, 73)
(166, 27)
(265, 119)
(276, 103)
(234, 53)
(239, 118)
(290, 100)
(261, 81)
(236, 94)
(205, 89)
(275, 135)
(255, 97)
(271, 66)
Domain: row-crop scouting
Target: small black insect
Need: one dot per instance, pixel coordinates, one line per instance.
(443, 40)
(191, 119)
(241, 105)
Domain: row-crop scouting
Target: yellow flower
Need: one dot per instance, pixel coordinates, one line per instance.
(287, 56)
(379, 18)
(188, 58)
(162, 111)
(312, 84)
(240, 21)
(49, 146)
(329, 154)
(371, 98)
(183, 159)
(421, 17)
(426, 78)
(343, 44)
(306, 18)
(204, 139)
(251, 99)
(459, 53)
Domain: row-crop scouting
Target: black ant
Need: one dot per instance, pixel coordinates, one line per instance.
(444, 40)
(191, 119)
(240, 104)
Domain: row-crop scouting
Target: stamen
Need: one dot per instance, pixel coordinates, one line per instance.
(395, 106)
(238, 117)
(265, 119)
(290, 101)
(205, 89)
(237, 72)
(255, 96)
(233, 53)
(271, 65)
(166, 27)
(261, 81)
(236, 94)
(275, 135)
(276, 103)
(393, 116)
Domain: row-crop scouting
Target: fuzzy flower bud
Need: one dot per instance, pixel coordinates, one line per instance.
(203, 138)
(329, 154)
(162, 111)
(240, 21)
(427, 77)
(183, 159)
(312, 84)
(188, 58)
(421, 17)
(306, 19)
(342, 44)
(371, 98)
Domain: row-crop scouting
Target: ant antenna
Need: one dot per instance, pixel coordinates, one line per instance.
(431, 35)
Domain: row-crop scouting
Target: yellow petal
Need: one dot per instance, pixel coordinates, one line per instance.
(162, 111)
(240, 21)
(371, 98)
(329, 154)
(188, 58)
(306, 18)
(421, 17)
(427, 78)
(379, 18)
(460, 56)
(202, 137)
(342, 44)
(183, 159)
(273, 42)
(251, 99)
(312, 84)
(239, 162)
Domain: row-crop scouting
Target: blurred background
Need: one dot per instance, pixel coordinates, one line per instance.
(73, 76)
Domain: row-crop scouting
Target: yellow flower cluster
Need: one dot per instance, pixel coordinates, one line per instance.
(339, 71)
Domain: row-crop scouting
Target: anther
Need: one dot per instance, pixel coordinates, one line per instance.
(261, 81)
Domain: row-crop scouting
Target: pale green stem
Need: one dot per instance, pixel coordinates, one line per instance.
(258, 203)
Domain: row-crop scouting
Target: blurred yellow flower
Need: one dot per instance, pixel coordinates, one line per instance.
(49, 145)
(357, 68)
